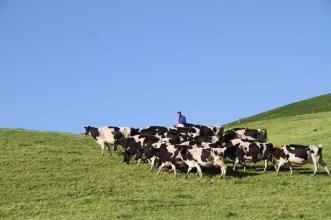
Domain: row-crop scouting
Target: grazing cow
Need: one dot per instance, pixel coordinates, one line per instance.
(103, 136)
(197, 156)
(298, 154)
(239, 151)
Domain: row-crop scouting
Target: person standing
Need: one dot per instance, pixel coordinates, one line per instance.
(181, 119)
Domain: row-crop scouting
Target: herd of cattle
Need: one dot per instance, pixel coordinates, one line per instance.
(199, 146)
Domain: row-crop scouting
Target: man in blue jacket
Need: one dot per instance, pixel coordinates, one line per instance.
(181, 119)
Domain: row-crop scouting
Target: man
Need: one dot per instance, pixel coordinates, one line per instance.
(181, 119)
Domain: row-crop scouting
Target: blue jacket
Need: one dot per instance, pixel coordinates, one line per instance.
(182, 120)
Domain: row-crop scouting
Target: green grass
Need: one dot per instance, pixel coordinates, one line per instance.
(313, 105)
(46, 175)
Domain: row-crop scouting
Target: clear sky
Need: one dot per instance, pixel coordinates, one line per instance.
(65, 64)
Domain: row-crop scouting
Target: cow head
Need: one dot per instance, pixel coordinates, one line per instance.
(87, 131)
(91, 131)
(218, 130)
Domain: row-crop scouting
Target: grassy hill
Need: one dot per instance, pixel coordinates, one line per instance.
(47, 175)
(313, 105)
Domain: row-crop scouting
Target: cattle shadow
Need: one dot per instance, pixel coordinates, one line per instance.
(240, 174)
(213, 171)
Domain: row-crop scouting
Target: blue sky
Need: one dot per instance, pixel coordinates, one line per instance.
(66, 64)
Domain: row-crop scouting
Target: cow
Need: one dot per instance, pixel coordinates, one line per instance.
(186, 131)
(204, 131)
(132, 148)
(298, 154)
(259, 134)
(166, 153)
(154, 130)
(241, 150)
(104, 136)
(195, 156)
(134, 145)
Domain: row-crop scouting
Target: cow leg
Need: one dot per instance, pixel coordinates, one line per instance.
(188, 170)
(160, 168)
(173, 168)
(291, 169)
(235, 164)
(138, 162)
(281, 162)
(265, 165)
(222, 165)
(323, 164)
(199, 170)
(274, 162)
(102, 148)
(315, 166)
(190, 165)
(152, 163)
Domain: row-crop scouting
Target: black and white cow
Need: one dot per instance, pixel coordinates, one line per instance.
(104, 136)
(158, 131)
(204, 131)
(239, 151)
(196, 156)
(107, 135)
(166, 153)
(134, 146)
(298, 154)
(259, 134)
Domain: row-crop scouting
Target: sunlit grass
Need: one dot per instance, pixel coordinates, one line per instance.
(45, 175)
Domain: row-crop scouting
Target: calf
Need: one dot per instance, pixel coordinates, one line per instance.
(298, 154)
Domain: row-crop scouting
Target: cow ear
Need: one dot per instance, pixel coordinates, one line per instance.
(85, 127)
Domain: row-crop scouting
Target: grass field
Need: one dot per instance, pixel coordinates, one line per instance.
(46, 175)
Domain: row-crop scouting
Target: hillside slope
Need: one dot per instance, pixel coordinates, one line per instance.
(45, 175)
(313, 105)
